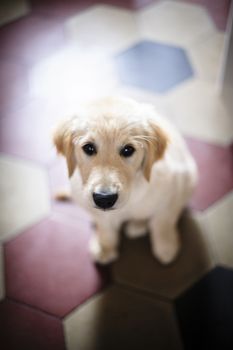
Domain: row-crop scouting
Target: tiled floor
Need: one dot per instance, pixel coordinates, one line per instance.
(55, 54)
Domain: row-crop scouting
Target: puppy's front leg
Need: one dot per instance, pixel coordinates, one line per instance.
(165, 239)
(103, 245)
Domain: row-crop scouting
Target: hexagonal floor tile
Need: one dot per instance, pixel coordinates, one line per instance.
(218, 10)
(137, 266)
(175, 22)
(129, 4)
(205, 312)
(13, 10)
(219, 224)
(14, 89)
(88, 73)
(31, 39)
(32, 136)
(2, 283)
(106, 28)
(24, 196)
(56, 272)
(120, 319)
(215, 166)
(206, 57)
(198, 111)
(153, 66)
(59, 183)
(25, 328)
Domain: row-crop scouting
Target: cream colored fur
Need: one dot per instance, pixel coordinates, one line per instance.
(153, 185)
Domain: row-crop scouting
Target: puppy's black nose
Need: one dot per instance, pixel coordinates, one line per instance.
(105, 200)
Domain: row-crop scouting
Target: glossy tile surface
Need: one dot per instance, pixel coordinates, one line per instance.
(24, 196)
(63, 53)
(153, 66)
(25, 328)
(122, 319)
(56, 272)
(194, 260)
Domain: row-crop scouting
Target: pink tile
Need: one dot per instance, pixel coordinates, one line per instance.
(14, 88)
(61, 9)
(31, 39)
(215, 164)
(27, 132)
(49, 267)
(218, 10)
(25, 328)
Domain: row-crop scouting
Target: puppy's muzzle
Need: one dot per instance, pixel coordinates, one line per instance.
(105, 200)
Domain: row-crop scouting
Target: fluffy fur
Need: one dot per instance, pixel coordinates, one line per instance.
(153, 185)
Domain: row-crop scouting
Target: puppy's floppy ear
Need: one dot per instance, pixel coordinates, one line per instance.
(63, 140)
(156, 142)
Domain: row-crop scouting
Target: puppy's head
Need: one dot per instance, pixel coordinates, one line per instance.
(110, 143)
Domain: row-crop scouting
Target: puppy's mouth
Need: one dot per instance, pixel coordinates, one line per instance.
(104, 209)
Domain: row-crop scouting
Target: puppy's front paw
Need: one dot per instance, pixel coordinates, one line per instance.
(101, 254)
(166, 248)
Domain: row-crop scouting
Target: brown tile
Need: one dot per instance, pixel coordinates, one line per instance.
(30, 39)
(25, 328)
(49, 266)
(120, 319)
(138, 268)
(215, 165)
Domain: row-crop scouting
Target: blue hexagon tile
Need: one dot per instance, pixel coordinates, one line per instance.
(153, 66)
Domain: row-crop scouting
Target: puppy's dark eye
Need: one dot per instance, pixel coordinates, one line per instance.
(127, 151)
(90, 149)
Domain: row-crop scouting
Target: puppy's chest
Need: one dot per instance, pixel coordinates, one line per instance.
(141, 204)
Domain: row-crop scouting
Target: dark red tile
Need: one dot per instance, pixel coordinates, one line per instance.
(27, 329)
(215, 164)
(218, 10)
(59, 181)
(27, 132)
(31, 39)
(49, 266)
(61, 9)
(14, 88)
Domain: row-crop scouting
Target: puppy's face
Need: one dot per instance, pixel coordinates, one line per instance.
(110, 143)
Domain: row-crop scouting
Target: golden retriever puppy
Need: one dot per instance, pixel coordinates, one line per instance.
(127, 164)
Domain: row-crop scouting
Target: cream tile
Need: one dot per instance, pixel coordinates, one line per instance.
(2, 287)
(206, 57)
(11, 10)
(24, 196)
(120, 319)
(220, 228)
(160, 102)
(199, 111)
(175, 22)
(73, 76)
(137, 266)
(103, 27)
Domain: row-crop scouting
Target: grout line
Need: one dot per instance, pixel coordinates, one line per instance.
(33, 308)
